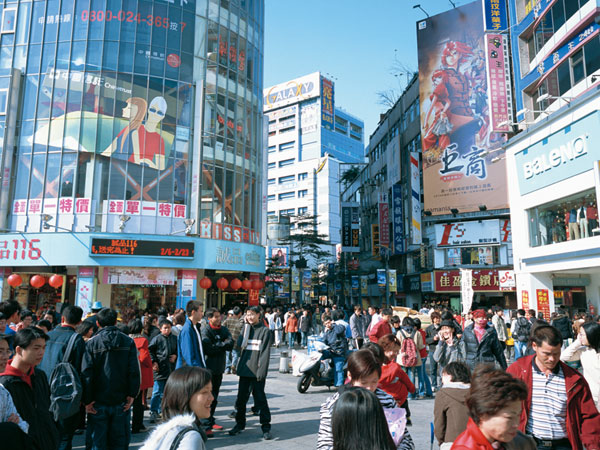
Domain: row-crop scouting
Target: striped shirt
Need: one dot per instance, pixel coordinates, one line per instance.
(548, 413)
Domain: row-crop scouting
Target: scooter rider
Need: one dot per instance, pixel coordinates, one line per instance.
(334, 336)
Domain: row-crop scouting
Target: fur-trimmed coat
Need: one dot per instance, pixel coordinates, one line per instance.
(164, 434)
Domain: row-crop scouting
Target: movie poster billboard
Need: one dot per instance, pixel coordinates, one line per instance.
(455, 117)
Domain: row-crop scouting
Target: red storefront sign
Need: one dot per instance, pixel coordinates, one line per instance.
(543, 302)
(525, 300)
(483, 281)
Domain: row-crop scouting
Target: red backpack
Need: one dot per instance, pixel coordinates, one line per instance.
(408, 351)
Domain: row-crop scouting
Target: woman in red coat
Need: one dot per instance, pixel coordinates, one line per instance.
(141, 343)
(494, 403)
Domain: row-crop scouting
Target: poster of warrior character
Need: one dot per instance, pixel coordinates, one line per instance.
(463, 165)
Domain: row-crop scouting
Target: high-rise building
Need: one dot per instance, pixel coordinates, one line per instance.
(309, 142)
(132, 145)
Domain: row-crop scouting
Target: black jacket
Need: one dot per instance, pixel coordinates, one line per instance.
(110, 370)
(255, 351)
(304, 323)
(486, 351)
(335, 338)
(55, 350)
(564, 325)
(33, 405)
(216, 342)
(430, 333)
(160, 349)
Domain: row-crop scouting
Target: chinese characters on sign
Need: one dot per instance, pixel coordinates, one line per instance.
(20, 250)
(499, 82)
(495, 15)
(397, 219)
(482, 281)
(327, 112)
(525, 300)
(543, 303)
(350, 227)
(384, 218)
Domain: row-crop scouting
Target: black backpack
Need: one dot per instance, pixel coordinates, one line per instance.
(65, 386)
(523, 329)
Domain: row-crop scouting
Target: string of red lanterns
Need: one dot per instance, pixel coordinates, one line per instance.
(37, 281)
(235, 284)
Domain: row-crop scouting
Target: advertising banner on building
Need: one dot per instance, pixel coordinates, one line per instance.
(455, 126)
(525, 300)
(384, 218)
(426, 282)
(495, 15)
(468, 233)
(295, 279)
(397, 219)
(350, 227)
(543, 303)
(138, 275)
(507, 280)
(327, 108)
(498, 79)
(355, 284)
(416, 237)
(306, 279)
(375, 239)
(364, 285)
(450, 281)
(292, 91)
(279, 256)
(466, 289)
(392, 280)
(381, 278)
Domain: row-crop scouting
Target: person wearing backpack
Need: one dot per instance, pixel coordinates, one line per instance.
(411, 343)
(60, 338)
(520, 331)
(29, 389)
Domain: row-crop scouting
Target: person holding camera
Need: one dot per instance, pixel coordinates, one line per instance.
(449, 348)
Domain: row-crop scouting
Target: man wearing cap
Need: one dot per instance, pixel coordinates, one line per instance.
(481, 341)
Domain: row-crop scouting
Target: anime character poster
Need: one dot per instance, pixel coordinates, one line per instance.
(455, 124)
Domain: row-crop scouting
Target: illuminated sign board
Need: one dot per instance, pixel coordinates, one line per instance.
(137, 247)
(292, 91)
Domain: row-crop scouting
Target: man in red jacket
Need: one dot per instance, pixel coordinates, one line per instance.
(559, 411)
(382, 327)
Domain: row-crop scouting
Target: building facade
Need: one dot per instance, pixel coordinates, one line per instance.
(131, 149)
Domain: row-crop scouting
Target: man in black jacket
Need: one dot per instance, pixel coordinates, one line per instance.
(563, 324)
(55, 351)
(255, 343)
(163, 351)
(334, 336)
(216, 341)
(28, 387)
(111, 380)
(481, 342)
(432, 337)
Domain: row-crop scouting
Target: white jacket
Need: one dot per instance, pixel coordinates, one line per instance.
(162, 437)
(590, 362)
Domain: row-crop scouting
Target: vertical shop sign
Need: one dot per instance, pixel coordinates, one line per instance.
(494, 13)
(381, 278)
(306, 279)
(295, 279)
(186, 287)
(355, 284)
(525, 300)
(415, 199)
(397, 219)
(384, 217)
(86, 281)
(364, 285)
(498, 78)
(466, 289)
(543, 302)
(327, 109)
(393, 285)
(350, 227)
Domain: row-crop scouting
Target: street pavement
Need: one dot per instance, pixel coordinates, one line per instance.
(295, 416)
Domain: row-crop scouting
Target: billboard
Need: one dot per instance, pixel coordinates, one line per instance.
(291, 91)
(455, 117)
(470, 233)
(384, 217)
(498, 72)
(415, 200)
(350, 227)
(397, 219)
(327, 111)
(279, 256)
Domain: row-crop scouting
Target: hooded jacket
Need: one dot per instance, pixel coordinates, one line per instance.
(486, 351)
(255, 343)
(450, 413)
(583, 419)
(563, 324)
(110, 371)
(163, 435)
(161, 348)
(473, 439)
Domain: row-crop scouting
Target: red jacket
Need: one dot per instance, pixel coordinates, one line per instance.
(380, 329)
(471, 439)
(141, 344)
(395, 382)
(583, 419)
(423, 352)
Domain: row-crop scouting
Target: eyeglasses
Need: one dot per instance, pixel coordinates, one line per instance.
(158, 112)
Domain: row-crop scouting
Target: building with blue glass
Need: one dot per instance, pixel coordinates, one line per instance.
(131, 154)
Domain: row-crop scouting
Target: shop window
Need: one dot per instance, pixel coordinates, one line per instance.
(569, 218)
(480, 256)
(564, 78)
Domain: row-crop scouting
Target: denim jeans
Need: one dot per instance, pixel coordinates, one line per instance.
(291, 339)
(520, 348)
(157, 394)
(232, 358)
(436, 380)
(304, 341)
(338, 365)
(424, 383)
(109, 428)
(412, 373)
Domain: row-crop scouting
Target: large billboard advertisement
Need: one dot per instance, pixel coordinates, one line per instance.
(303, 88)
(455, 117)
(327, 111)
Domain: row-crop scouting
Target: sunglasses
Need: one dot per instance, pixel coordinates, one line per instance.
(158, 112)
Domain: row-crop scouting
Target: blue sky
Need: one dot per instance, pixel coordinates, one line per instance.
(354, 41)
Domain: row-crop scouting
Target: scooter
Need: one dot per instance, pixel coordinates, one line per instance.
(316, 371)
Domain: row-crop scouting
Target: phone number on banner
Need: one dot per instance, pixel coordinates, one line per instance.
(130, 16)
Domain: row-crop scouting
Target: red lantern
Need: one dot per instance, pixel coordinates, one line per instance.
(15, 280)
(222, 283)
(256, 285)
(205, 283)
(262, 283)
(55, 281)
(37, 281)
(247, 285)
(235, 284)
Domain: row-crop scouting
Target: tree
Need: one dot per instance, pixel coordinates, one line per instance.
(350, 175)
(306, 241)
(398, 69)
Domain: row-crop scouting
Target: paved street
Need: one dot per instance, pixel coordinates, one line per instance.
(295, 417)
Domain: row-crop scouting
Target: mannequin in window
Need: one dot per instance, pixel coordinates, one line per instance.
(592, 216)
(583, 221)
(573, 226)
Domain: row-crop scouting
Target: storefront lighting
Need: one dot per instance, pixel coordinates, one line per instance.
(547, 96)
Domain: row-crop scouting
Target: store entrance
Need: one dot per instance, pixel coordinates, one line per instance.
(572, 298)
(143, 297)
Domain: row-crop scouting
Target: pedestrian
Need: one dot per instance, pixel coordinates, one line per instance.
(26, 320)
(85, 329)
(481, 342)
(56, 346)
(255, 344)
(450, 413)
(500, 326)
(373, 316)
(449, 348)
(425, 390)
(432, 339)
(163, 352)
(111, 380)
(520, 331)
(13, 428)
(186, 401)
(382, 327)
(494, 403)
(586, 349)
(304, 324)
(393, 379)
(93, 317)
(411, 342)
(150, 327)
(317, 324)
(278, 323)
(358, 421)
(135, 330)
(234, 324)
(10, 310)
(334, 337)
(189, 343)
(29, 389)
(559, 411)
(291, 328)
(358, 326)
(364, 370)
(178, 322)
(216, 341)
(563, 324)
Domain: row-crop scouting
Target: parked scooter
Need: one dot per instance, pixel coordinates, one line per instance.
(316, 371)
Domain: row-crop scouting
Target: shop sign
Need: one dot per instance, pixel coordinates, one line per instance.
(525, 300)
(350, 227)
(292, 91)
(507, 280)
(426, 282)
(209, 230)
(136, 275)
(494, 12)
(412, 283)
(466, 289)
(327, 110)
(450, 281)
(20, 249)
(459, 234)
(384, 217)
(543, 302)
(581, 280)
(498, 70)
(381, 278)
(364, 283)
(392, 280)
(397, 219)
